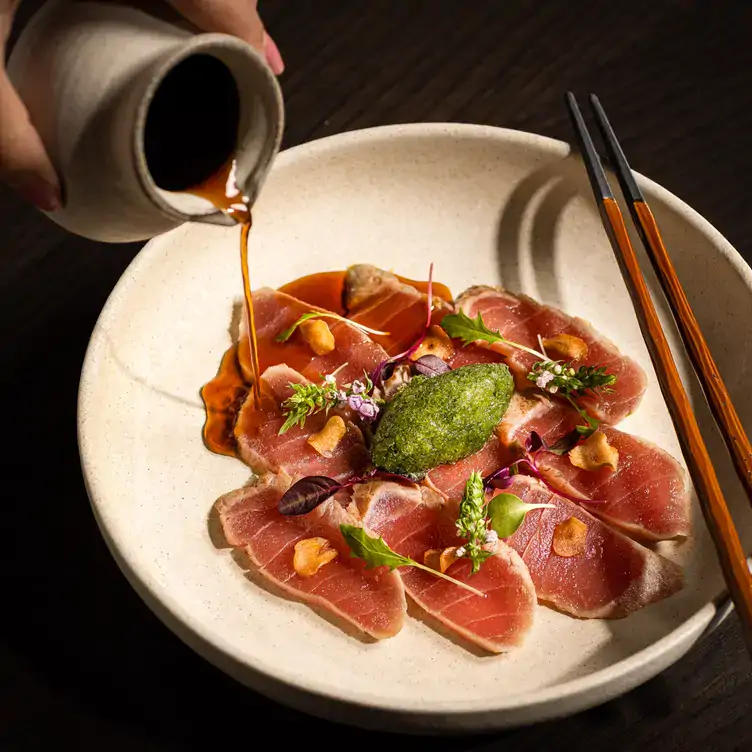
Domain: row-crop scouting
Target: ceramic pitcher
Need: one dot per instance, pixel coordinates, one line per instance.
(88, 73)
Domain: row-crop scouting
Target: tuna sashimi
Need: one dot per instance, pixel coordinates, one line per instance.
(612, 577)
(262, 448)
(380, 300)
(648, 493)
(449, 480)
(371, 600)
(412, 521)
(275, 311)
(522, 320)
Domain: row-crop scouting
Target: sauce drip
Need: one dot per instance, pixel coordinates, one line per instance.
(220, 394)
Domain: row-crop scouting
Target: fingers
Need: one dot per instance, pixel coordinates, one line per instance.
(24, 163)
(237, 17)
(273, 56)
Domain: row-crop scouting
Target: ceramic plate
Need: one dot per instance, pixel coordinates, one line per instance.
(486, 206)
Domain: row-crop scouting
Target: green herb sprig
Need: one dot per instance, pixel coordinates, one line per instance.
(472, 522)
(305, 400)
(376, 553)
(557, 376)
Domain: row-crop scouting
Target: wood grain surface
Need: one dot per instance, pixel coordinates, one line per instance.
(82, 661)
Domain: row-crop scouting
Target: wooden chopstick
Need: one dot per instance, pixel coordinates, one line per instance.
(725, 415)
(715, 511)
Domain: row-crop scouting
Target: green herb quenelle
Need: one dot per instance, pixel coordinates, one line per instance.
(434, 421)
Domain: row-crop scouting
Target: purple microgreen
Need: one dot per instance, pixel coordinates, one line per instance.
(534, 443)
(306, 494)
(430, 365)
(502, 478)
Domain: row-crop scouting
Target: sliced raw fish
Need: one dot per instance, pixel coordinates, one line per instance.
(648, 493)
(522, 319)
(612, 577)
(412, 520)
(449, 480)
(275, 311)
(371, 600)
(263, 449)
(380, 300)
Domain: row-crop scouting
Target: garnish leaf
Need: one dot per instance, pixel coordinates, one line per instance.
(461, 326)
(430, 365)
(283, 336)
(306, 494)
(472, 523)
(376, 553)
(507, 512)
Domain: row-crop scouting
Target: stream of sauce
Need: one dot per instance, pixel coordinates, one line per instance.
(224, 395)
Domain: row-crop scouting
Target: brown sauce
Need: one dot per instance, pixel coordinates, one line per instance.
(223, 397)
(327, 289)
(324, 289)
(220, 394)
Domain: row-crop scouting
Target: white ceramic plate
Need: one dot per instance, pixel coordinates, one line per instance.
(486, 206)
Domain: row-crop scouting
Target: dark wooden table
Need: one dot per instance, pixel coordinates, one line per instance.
(83, 663)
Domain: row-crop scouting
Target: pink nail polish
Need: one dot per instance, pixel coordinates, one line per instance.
(42, 194)
(273, 56)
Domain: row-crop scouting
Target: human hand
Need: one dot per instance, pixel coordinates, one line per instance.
(24, 163)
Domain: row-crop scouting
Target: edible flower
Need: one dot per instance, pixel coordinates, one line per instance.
(308, 399)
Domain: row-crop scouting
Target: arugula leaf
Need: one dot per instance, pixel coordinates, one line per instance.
(284, 335)
(376, 553)
(461, 326)
(507, 512)
(373, 551)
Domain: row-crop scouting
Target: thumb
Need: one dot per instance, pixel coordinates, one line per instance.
(24, 164)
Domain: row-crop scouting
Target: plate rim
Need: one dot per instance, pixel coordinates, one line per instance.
(579, 693)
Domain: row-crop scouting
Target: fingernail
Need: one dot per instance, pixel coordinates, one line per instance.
(273, 56)
(39, 192)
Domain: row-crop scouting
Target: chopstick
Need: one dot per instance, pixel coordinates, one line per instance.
(725, 414)
(715, 511)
